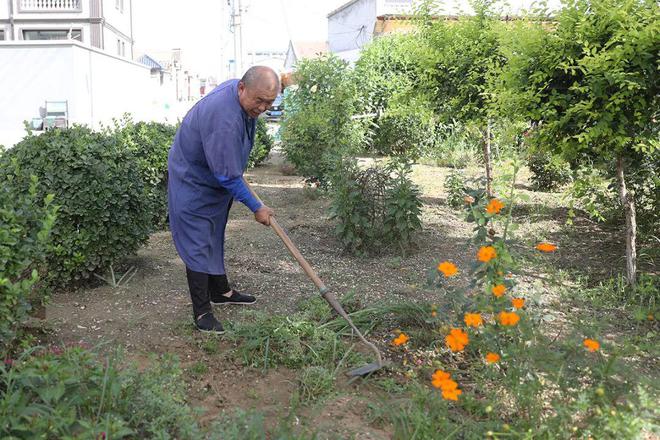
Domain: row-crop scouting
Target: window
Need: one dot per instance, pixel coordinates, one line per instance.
(2, 35)
(123, 49)
(121, 6)
(52, 34)
(118, 47)
(117, 4)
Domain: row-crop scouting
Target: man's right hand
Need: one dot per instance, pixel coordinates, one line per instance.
(263, 215)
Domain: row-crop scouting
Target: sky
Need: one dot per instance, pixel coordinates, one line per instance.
(200, 28)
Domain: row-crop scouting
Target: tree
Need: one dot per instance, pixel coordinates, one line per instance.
(590, 85)
(461, 58)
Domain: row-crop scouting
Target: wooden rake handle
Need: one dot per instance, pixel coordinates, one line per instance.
(292, 247)
(325, 293)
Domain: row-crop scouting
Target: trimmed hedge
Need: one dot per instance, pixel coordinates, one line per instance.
(104, 209)
(25, 225)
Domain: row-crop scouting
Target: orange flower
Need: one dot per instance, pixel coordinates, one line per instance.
(546, 247)
(434, 313)
(498, 290)
(442, 380)
(473, 320)
(448, 269)
(486, 253)
(518, 303)
(508, 318)
(492, 358)
(401, 339)
(494, 206)
(439, 377)
(451, 394)
(457, 339)
(591, 345)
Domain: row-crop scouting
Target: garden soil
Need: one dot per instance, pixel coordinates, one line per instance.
(151, 314)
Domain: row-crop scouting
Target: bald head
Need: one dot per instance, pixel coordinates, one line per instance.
(261, 77)
(258, 89)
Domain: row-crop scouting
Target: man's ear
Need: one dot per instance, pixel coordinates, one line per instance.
(241, 86)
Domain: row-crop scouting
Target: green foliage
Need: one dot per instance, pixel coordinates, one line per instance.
(150, 143)
(250, 425)
(263, 143)
(375, 208)
(407, 131)
(315, 383)
(103, 213)
(549, 172)
(592, 80)
(73, 392)
(455, 146)
(596, 194)
(293, 341)
(455, 188)
(461, 57)
(317, 129)
(25, 225)
(388, 70)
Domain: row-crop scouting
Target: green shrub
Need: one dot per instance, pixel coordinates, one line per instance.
(263, 143)
(549, 172)
(25, 225)
(74, 393)
(150, 143)
(317, 129)
(456, 189)
(454, 146)
(103, 213)
(406, 131)
(375, 208)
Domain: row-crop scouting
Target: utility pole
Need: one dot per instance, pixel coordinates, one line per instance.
(237, 29)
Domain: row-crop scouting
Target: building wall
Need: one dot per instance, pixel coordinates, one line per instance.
(394, 7)
(352, 27)
(117, 14)
(98, 86)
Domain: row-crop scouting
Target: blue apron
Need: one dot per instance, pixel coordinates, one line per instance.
(214, 139)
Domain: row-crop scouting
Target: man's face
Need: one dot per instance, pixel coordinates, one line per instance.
(256, 100)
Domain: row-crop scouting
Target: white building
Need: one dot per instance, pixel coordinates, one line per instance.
(351, 26)
(66, 62)
(106, 25)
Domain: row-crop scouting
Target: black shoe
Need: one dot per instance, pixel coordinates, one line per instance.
(208, 324)
(235, 298)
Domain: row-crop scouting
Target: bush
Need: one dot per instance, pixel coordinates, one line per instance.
(73, 393)
(263, 143)
(456, 189)
(549, 172)
(317, 129)
(103, 213)
(406, 131)
(376, 208)
(25, 224)
(150, 143)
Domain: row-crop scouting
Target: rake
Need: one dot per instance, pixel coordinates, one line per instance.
(326, 294)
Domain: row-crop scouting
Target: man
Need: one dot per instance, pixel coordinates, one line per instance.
(205, 166)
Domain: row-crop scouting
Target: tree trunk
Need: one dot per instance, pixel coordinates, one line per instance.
(487, 160)
(628, 203)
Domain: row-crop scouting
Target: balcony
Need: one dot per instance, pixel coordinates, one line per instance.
(49, 5)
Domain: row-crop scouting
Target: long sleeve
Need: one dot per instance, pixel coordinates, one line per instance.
(239, 191)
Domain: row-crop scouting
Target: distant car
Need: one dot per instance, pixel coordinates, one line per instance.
(276, 111)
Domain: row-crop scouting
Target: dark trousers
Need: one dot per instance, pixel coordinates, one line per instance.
(203, 288)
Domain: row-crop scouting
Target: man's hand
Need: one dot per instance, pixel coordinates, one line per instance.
(263, 215)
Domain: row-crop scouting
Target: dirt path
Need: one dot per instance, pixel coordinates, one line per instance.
(152, 314)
